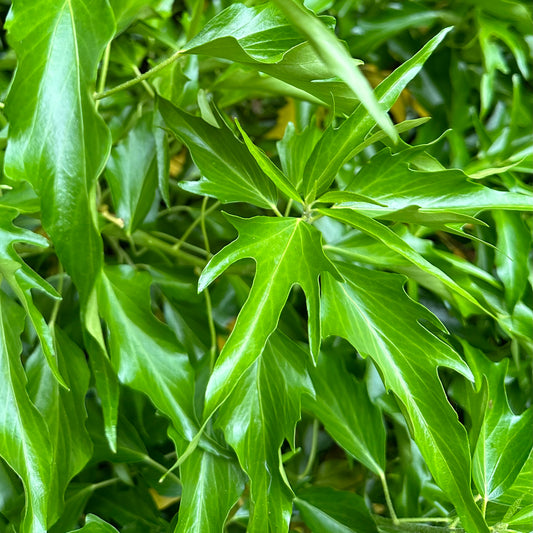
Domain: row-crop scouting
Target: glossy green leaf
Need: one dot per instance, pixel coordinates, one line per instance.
(144, 352)
(94, 524)
(505, 439)
(371, 310)
(326, 510)
(257, 417)
(229, 172)
(287, 251)
(336, 145)
(131, 173)
(334, 55)
(23, 279)
(57, 141)
(343, 407)
(24, 437)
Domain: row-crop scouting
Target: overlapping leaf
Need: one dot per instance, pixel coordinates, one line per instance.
(257, 417)
(287, 252)
(371, 310)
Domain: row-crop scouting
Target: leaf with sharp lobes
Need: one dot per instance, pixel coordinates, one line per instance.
(287, 252)
(372, 311)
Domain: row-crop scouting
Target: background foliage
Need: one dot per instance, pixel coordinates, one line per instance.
(237, 294)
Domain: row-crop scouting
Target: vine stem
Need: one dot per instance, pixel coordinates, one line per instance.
(312, 451)
(103, 74)
(138, 79)
(195, 223)
(388, 498)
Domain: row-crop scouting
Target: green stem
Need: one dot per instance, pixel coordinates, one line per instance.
(436, 519)
(312, 451)
(195, 223)
(145, 84)
(103, 73)
(388, 498)
(276, 210)
(141, 78)
(288, 208)
(103, 484)
(159, 467)
(57, 303)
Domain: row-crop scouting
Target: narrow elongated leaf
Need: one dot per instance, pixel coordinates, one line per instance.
(371, 310)
(24, 438)
(211, 486)
(287, 251)
(388, 237)
(64, 412)
(229, 171)
(57, 141)
(23, 279)
(336, 145)
(94, 524)
(257, 417)
(336, 57)
(131, 173)
(144, 351)
(505, 439)
(388, 179)
(343, 406)
(327, 510)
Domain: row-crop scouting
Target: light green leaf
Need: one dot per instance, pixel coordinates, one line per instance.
(23, 279)
(257, 417)
(337, 145)
(24, 437)
(65, 415)
(131, 173)
(270, 169)
(505, 439)
(57, 141)
(326, 510)
(343, 407)
(287, 251)
(211, 487)
(393, 241)
(372, 311)
(229, 172)
(512, 252)
(335, 56)
(144, 352)
(94, 524)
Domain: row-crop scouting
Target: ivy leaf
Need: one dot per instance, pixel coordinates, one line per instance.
(505, 439)
(24, 437)
(257, 417)
(334, 511)
(203, 509)
(229, 171)
(372, 311)
(23, 279)
(390, 180)
(132, 173)
(344, 408)
(94, 524)
(287, 251)
(144, 352)
(65, 415)
(336, 146)
(57, 141)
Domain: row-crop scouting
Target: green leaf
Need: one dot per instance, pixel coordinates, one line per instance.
(131, 174)
(287, 251)
(505, 439)
(23, 279)
(57, 141)
(257, 417)
(343, 407)
(211, 487)
(24, 437)
(335, 56)
(326, 510)
(372, 311)
(144, 352)
(65, 414)
(94, 524)
(337, 145)
(394, 242)
(390, 180)
(229, 172)
(512, 251)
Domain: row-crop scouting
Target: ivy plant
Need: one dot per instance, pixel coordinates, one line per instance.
(265, 266)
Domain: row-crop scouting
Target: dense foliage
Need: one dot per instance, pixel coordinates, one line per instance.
(242, 290)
